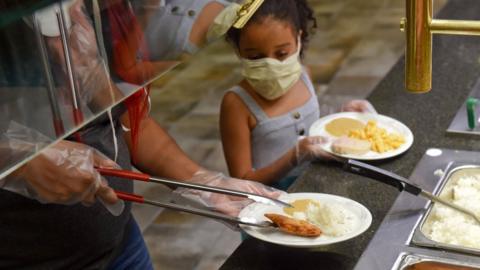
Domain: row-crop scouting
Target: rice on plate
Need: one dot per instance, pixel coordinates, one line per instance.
(332, 218)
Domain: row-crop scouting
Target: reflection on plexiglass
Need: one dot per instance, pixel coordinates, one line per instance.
(67, 63)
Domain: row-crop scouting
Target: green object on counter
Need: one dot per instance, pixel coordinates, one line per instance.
(472, 119)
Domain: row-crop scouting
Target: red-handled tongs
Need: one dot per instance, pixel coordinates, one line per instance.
(147, 178)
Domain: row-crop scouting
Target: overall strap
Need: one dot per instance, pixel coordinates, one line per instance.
(251, 104)
(308, 82)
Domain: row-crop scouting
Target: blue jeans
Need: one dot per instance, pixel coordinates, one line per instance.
(134, 255)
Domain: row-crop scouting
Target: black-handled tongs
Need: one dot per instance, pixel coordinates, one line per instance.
(401, 183)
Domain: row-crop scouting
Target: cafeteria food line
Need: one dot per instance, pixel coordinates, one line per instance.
(344, 53)
(428, 116)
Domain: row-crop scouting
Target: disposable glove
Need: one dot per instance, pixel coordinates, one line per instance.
(93, 80)
(311, 148)
(223, 22)
(230, 205)
(358, 105)
(65, 173)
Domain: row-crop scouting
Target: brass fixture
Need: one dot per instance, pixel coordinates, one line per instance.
(419, 27)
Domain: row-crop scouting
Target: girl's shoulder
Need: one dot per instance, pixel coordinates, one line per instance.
(233, 100)
(237, 94)
(238, 104)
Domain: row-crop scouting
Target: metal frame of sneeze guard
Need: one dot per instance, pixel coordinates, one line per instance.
(419, 27)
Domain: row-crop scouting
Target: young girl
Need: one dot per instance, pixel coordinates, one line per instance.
(262, 119)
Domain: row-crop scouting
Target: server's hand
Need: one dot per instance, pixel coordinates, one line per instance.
(92, 79)
(231, 205)
(65, 173)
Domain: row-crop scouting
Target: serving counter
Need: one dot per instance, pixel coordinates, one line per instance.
(456, 68)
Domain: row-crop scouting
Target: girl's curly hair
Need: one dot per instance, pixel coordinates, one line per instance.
(296, 12)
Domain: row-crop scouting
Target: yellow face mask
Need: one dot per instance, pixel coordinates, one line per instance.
(272, 78)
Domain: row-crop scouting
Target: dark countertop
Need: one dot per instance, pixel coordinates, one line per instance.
(456, 68)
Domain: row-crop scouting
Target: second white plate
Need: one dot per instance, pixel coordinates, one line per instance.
(361, 222)
(388, 123)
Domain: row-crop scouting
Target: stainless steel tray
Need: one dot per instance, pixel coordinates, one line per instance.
(419, 238)
(408, 261)
(394, 236)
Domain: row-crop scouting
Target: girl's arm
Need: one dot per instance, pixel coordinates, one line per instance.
(235, 130)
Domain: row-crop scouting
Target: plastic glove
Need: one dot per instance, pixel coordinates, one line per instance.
(64, 173)
(90, 69)
(230, 205)
(223, 22)
(358, 105)
(311, 148)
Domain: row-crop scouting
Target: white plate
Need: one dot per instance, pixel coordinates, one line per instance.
(272, 235)
(388, 123)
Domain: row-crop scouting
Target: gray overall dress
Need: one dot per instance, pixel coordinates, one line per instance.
(272, 137)
(168, 29)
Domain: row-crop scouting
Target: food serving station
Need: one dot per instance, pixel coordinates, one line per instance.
(394, 240)
(399, 234)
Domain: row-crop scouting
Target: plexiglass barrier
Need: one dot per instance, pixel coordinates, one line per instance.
(63, 63)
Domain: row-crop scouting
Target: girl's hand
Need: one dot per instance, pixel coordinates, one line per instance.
(311, 148)
(358, 105)
(230, 205)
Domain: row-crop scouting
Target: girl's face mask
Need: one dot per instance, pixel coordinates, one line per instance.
(272, 78)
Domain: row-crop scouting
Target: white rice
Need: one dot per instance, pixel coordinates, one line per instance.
(452, 227)
(333, 219)
(300, 215)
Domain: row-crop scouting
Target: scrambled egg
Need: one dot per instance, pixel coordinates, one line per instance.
(381, 140)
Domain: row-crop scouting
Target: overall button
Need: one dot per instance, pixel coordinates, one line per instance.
(296, 115)
(191, 13)
(301, 132)
(175, 9)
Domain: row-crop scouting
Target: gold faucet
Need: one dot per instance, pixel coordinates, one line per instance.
(419, 27)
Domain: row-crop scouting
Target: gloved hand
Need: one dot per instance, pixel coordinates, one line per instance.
(92, 76)
(223, 22)
(311, 148)
(88, 64)
(358, 105)
(230, 205)
(64, 173)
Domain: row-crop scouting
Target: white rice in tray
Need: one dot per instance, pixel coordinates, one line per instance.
(333, 219)
(448, 226)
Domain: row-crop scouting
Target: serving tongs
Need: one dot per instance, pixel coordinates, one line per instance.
(402, 184)
(137, 176)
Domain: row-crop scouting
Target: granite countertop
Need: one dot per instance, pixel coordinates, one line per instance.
(456, 68)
